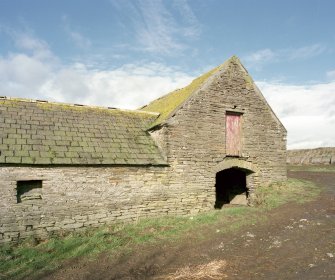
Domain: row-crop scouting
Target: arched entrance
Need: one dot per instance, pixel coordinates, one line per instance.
(231, 187)
(233, 182)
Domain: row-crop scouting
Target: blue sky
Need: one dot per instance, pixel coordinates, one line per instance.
(125, 53)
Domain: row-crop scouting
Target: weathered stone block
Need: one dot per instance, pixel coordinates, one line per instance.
(240, 199)
(73, 226)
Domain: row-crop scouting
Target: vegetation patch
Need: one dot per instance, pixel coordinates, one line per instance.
(29, 259)
(276, 194)
(213, 270)
(312, 168)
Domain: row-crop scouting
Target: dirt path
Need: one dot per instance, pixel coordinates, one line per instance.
(295, 242)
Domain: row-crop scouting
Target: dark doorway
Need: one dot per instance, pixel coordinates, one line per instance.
(229, 183)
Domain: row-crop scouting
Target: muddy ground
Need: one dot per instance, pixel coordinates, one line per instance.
(295, 242)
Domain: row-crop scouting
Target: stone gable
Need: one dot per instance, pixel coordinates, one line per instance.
(197, 130)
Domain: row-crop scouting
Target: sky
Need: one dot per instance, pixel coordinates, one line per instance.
(125, 53)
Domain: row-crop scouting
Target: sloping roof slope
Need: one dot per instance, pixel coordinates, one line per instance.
(33, 132)
(169, 103)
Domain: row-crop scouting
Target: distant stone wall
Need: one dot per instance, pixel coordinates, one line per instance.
(323, 156)
(74, 198)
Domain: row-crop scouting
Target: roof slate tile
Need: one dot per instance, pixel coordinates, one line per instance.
(54, 133)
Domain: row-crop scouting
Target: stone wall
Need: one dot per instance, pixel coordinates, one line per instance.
(321, 156)
(196, 134)
(74, 198)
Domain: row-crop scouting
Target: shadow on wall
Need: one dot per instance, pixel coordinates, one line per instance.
(231, 187)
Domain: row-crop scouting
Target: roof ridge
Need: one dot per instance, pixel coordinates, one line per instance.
(170, 102)
(40, 101)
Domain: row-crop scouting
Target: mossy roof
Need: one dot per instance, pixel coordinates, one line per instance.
(167, 105)
(34, 132)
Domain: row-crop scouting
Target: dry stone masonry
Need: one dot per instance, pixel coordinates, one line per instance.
(69, 167)
(318, 156)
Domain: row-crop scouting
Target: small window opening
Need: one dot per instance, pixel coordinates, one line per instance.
(231, 187)
(28, 190)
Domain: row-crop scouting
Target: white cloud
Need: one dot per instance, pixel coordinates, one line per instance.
(261, 56)
(307, 112)
(192, 27)
(303, 52)
(22, 70)
(38, 76)
(157, 29)
(27, 43)
(129, 86)
(21, 73)
(77, 38)
(331, 74)
(264, 56)
(156, 32)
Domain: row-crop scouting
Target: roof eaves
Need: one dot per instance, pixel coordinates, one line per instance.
(77, 106)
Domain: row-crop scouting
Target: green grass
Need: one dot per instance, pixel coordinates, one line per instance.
(26, 258)
(312, 168)
(277, 194)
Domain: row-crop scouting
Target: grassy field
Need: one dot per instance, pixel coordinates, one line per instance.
(17, 262)
(312, 168)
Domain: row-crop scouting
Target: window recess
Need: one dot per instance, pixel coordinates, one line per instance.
(28, 190)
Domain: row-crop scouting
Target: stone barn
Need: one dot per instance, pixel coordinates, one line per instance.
(67, 167)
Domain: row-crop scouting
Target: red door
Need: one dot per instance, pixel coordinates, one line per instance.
(233, 134)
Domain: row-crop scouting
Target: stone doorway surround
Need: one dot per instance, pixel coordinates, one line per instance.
(251, 172)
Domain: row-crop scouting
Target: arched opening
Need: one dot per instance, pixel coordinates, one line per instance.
(231, 187)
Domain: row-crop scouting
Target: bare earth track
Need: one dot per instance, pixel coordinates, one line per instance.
(296, 241)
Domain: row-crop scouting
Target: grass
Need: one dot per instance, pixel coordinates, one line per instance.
(17, 262)
(312, 168)
(277, 194)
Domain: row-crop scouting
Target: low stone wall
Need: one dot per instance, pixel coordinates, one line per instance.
(74, 198)
(323, 156)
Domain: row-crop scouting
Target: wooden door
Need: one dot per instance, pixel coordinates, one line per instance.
(233, 134)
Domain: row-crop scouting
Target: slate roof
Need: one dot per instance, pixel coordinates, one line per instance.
(34, 132)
